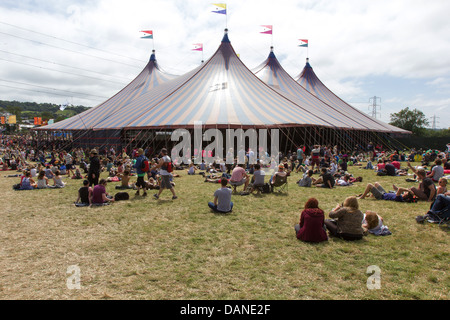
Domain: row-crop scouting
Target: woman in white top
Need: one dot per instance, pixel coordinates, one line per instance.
(58, 180)
(42, 182)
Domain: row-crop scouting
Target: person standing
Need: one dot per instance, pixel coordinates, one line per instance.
(315, 157)
(164, 165)
(300, 153)
(94, 168)
(140, 174)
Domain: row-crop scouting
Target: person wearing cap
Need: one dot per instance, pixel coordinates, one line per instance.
(280, 172)
(140, 174)
(94, 168)
(165, 175)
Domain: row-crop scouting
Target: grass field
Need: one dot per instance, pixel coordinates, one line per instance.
(162, 249)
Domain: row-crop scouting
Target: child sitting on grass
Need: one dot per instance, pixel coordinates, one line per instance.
(442, 187)
(373, 223)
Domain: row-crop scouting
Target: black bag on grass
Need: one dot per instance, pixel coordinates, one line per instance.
(265, 188)
(121, 196)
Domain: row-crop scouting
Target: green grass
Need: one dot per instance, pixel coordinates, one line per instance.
(163, 249)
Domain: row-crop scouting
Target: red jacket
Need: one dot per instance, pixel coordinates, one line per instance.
(311, 226)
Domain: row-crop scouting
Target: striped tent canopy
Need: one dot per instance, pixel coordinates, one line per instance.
(272, 73)
(220, 93)
(150, 77)
(309, 80)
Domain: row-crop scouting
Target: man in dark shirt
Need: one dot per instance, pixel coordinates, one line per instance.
(94, 168)
(426, 190)
(390, 169)
(325, 180)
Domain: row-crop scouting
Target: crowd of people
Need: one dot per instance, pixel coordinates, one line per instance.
(42, 168)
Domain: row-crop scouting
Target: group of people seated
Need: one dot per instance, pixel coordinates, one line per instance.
(346, 221)
(28, 182)
(97, 195)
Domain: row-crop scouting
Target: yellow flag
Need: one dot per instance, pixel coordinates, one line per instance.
(220, 8)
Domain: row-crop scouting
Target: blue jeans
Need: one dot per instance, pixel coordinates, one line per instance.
(440, 203)
(214, 207)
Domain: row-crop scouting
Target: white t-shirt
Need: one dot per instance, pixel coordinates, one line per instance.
(162, 171)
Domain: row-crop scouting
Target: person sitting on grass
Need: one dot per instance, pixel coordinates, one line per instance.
(99, 194)
(325, 180)
(192, 169)
(84, 195)
(311, 227)
(27, 182)
(49, 173)
(437, 171)
(222, 198)
(442, 186)
(57, 179)
(378, 192)
(307, 179)
(427, 189)
(346, 220)
(125, 179)
(373, 224)
(42, 182)
(77, 174)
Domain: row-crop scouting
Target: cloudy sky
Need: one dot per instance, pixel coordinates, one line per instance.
(85, 51)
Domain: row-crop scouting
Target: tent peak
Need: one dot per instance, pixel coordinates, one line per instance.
(271, 54)
(153, 56)
(225, 37)
(307, 63)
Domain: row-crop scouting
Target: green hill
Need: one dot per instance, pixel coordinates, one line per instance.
(47, 111)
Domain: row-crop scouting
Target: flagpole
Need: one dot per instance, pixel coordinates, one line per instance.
(226, 18)
(272, 36)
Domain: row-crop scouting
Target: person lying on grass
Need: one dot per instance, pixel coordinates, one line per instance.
(378, 192)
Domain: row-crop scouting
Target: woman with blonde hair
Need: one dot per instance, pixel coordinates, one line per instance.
(346, 220)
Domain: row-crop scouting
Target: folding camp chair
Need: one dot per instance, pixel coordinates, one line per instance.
(442, 217)
(280, 183)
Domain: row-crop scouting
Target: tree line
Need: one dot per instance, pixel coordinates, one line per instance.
(47, 111)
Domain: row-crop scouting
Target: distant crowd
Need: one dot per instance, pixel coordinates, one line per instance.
(320, 166)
